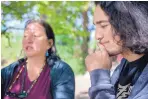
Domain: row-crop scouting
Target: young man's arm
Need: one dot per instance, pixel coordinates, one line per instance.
(99, 65)
(101, 87)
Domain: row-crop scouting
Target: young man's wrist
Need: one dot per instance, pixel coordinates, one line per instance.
(100, 76)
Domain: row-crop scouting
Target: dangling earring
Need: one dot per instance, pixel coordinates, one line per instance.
(47, 54)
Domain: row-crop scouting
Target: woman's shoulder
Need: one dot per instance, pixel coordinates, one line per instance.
(62, 75)
(10, 67)
(61, 69)
(55, 63)
(61, 66)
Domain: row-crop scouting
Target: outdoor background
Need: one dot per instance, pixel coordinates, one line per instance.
(72, 23)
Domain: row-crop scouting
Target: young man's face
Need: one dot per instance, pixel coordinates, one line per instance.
(105, 33)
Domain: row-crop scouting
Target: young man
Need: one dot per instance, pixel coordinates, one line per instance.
(121, 28)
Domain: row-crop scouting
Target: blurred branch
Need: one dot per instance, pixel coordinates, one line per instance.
(9, 43)
(4, 31)
(8, 36)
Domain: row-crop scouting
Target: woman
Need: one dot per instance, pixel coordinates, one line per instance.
(41, 75)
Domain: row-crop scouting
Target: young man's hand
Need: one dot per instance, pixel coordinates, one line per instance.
(98, 60)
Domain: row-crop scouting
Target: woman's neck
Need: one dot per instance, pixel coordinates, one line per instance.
(130, 56)
(35, 66)
(36, 62)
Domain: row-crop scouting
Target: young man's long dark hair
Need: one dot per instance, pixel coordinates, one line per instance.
(130, 22)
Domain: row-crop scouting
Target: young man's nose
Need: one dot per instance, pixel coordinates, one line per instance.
(98, 34)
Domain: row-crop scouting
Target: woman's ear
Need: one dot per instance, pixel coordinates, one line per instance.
(50, 41)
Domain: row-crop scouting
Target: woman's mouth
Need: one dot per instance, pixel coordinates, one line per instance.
(29, 48)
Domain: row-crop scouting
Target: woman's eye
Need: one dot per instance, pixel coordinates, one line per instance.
(25, 36)
(36, 35)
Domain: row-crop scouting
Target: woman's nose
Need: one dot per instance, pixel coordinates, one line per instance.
(29, 39)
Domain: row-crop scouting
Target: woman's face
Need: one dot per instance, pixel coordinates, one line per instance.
(35, 42)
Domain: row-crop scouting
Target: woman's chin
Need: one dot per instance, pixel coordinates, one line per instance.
(30, 54)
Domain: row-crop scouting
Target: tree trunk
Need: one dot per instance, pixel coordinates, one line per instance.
(84, 45)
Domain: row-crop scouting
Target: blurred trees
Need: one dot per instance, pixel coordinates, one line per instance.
(69, 20)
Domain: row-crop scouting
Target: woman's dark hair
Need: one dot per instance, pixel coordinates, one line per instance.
(130, 21)
(49, 33)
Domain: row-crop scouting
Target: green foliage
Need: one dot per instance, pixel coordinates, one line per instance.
(69, 51)
(10, 54)
(17, 8)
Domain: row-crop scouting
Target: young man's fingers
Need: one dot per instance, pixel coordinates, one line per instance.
(97, 50)
(102, 48)
(90, 52)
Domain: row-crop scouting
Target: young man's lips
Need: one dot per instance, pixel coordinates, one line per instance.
(104, 42)
(101, 43)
